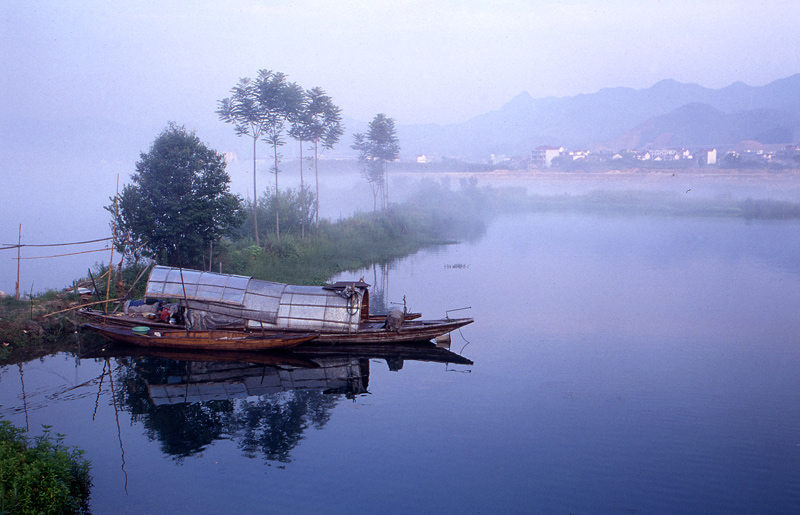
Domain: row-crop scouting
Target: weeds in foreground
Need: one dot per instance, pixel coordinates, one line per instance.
(41, 475)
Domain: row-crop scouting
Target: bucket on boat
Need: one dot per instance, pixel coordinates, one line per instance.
(141, 329)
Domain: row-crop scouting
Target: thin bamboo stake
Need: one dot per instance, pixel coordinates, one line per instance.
(83, 306)
(19, 248)
(111, 258)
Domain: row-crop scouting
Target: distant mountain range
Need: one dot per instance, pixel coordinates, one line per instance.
(668, 114)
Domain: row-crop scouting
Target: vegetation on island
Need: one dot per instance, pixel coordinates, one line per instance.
(377, 147)
(269, 107)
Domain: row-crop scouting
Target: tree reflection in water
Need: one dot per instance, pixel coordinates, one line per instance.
(265, 404)
(188, 405)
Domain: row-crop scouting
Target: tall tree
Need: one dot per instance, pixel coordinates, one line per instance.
(282, 101)
(319, 122)
(376, 148)
(250, 117)
(179, 201)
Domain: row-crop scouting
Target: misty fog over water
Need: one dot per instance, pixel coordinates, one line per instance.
(52, 218)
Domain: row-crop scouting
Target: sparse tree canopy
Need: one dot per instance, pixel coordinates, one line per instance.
(282, 102)
(376, 148)
(251, 115)
(319, 122)
(179, 202)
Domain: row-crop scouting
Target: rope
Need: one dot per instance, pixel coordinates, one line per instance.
(62, 255)
(11, 246)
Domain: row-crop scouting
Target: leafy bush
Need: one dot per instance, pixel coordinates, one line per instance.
(41, 476)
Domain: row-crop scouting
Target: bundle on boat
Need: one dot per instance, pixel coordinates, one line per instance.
(338, 312)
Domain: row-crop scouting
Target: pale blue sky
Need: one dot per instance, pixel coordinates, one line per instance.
(434, 61)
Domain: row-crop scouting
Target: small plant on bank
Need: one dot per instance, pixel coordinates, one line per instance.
(41, 475)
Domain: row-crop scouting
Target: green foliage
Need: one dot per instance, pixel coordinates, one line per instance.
(376, 148)
(290, 204)
(319, 121)
(41, 476)
(179, 202)
(364, 239)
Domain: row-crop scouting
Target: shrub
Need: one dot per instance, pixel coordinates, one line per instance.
(41, 476)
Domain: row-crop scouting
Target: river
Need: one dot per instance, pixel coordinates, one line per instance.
(621, 365)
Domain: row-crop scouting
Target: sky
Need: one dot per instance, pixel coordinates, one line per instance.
(69, 67)
(419, 61)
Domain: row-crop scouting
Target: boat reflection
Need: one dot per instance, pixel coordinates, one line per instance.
(263, 401)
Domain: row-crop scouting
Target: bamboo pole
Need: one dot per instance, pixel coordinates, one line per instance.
(111, 258)
(19, 249)
(83, 306)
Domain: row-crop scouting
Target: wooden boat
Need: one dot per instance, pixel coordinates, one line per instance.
(215, 340)
(338, 313)
(134, 319)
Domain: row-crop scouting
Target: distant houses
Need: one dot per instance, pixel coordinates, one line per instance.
(545, 157)
(549, 157)
(542, 157)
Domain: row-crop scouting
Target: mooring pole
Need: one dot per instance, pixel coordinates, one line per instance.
(111, 258)
(19, 260)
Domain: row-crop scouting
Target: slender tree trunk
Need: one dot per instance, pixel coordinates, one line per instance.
(316, 174)
(302, 196)
(386, 188)
(255, 196)
(277, 198)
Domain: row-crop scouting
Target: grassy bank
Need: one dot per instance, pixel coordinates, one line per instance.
(28, 328)
(437, 216)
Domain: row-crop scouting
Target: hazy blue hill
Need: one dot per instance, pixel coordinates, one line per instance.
(668, 111)
(701, 125)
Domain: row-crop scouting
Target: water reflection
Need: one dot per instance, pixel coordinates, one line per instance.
(263, 402)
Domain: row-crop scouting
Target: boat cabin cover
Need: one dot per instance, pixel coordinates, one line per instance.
(223, 300)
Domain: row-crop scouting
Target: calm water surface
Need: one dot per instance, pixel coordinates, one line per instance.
(621, 365)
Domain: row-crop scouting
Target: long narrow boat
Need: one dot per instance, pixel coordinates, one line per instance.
(133, 319)
(214, 340)
(339, 313)
(369, 331)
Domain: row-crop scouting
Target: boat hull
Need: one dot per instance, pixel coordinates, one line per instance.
(202, 340)
(370, 332)
(411, 331)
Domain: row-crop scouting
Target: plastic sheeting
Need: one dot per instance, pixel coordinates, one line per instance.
(176, 283)
(221, 300)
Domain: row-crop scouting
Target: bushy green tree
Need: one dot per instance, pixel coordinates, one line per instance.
(179, 202)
